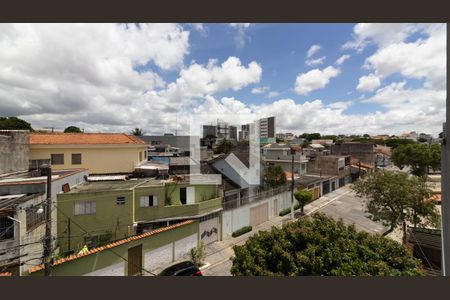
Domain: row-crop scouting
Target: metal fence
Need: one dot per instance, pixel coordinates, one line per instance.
(257, 196)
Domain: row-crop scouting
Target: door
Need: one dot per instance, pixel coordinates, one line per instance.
(183, 195)
(259, 214)
(190, 195)
(326, 187)
(135, 261)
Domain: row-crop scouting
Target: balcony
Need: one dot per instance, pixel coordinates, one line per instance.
(174, 211)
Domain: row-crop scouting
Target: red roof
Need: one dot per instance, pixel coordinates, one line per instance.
(83, 139)
(112, 245)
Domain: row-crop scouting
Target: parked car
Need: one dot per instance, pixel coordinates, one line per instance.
(185, 268)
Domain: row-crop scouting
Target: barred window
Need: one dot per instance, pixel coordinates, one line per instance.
(120, 200)
(6, 228)
(76, 158)
(57, 159)
(85, 208)
(33, 218)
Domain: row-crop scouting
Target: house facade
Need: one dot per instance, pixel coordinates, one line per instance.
(113, 210)
(100, 153)
(280, 155)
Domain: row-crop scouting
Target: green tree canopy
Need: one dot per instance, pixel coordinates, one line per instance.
(224, 146)
(394, 197)
(137, 132)
(72, 129)
(303, 197)
(14, 123)
(322, 246)
(418, 156)
(275, 176)
(310, 136)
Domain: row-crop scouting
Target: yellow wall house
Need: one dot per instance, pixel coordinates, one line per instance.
(101, 153)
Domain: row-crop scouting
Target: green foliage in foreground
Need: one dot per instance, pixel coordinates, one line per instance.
(322, 246)
(241, 231)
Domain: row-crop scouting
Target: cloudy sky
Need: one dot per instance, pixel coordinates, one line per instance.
(328, 78)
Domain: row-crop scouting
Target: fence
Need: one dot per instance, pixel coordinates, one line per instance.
(257, 196)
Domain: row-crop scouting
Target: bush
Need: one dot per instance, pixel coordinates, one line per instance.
(242, 231)
(198, 254)
(288, 210)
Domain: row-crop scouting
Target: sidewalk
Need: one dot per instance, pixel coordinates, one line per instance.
(218, 254)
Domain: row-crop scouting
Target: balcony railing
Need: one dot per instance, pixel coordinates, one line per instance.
(173, 211)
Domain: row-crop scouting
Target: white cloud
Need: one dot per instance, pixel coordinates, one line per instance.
(421, 59)
(315, 62)
(313, 50)
(273, 94)
(368, 83)
(200, 28)
(381, 34)
(314, 79)
(342, 59)
(260, 90)
(240, 38)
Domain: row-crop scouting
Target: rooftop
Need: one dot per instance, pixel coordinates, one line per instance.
(84, 139)
(111, 245)
(104, 186)
(29, 177)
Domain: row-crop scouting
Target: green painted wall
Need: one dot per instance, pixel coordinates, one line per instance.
(105, 258)
(118, 219)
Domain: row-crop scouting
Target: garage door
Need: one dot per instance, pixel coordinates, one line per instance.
(209, 230)
(259, 214)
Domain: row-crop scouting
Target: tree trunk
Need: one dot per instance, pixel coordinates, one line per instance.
(388, 231)
(303, 205)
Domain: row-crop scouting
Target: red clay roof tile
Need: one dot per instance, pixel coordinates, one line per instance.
(84, 138)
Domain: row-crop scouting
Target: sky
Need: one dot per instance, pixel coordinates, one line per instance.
(327, 78)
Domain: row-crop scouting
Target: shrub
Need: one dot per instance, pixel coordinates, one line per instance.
(241, 231)
(198, 254)
(288, 210)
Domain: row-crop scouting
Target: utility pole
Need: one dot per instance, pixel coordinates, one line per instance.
(48, 223)
(68, 235)
(292, 184)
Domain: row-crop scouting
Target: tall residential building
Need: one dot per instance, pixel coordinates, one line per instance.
(233, 133)
(209, 130)
(267, 127)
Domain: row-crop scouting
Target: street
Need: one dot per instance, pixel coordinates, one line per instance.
(340, 204)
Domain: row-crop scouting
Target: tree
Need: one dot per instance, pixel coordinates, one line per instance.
(275, 176)
(137, 132)
(322, 246)
(366, 135)
(72, 129)
(303, 197)
(310, 136)
(396, 197)
(14, 123)
(224, 146)
(418, 156)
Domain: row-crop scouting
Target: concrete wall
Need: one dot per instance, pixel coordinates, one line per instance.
(98, 159)
(14, 150)
(364, 152)
(158, 250)
(237, 218)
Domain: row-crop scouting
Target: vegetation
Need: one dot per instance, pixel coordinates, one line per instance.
(72, 129)
(419, 157)
(241, 231)
(395, 197)
(137, 132)
(288, 210)
(322, 246)
(14, 123)
(198, 254)
(224, 146)
(275, 176)
(310, 136)
(303, 197)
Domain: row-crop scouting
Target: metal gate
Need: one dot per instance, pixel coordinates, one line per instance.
(209, 228)
(326, 187)
(135, 261)
(259, 214)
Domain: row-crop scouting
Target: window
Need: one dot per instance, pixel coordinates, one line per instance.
(140, 156)
(120, 200)
(33, 218)
(85, 208)
(57, 159)
(147, 201)
(6, 228)
(76, 158)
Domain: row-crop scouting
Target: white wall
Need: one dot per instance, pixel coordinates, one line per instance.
(184, 246)
(113, 270)
(158, 257)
